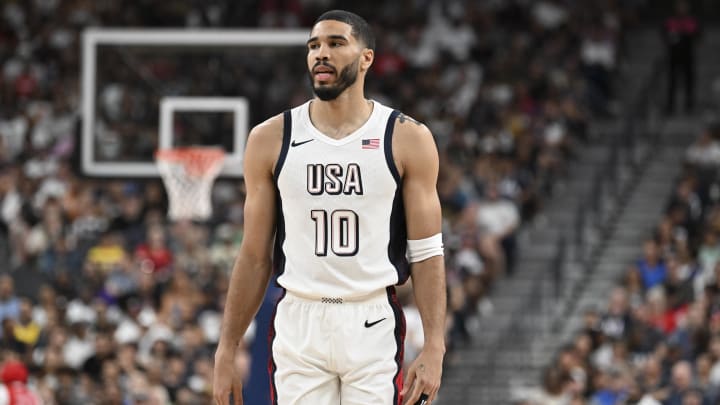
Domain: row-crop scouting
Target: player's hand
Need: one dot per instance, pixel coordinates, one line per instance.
(423, 376)
(226, 379)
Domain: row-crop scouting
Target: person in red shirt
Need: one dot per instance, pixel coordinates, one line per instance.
(14, 390)
(26, 84)
(154, 256)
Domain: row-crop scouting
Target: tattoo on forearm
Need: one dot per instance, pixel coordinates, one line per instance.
(402, 118)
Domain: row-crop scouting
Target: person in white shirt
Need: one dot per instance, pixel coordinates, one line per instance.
(497, 220)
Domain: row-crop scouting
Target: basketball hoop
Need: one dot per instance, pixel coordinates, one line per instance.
(188, 174)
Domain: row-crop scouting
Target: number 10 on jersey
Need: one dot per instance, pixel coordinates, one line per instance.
(342, 228)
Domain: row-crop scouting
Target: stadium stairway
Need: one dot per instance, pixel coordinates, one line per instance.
(635, 222)
(647, 200)
(501, 354)
(540, 307)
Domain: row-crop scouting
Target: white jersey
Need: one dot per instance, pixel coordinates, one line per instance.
(340, 221)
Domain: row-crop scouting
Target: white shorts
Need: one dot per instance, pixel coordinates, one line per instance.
(329, 351)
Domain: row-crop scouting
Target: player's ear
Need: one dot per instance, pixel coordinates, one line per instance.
(366, 59)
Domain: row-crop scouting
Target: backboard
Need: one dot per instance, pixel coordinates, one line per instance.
(148, 89)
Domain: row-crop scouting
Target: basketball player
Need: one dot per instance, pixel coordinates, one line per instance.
(343, 189)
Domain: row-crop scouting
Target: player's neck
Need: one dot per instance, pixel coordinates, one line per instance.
(342, 116)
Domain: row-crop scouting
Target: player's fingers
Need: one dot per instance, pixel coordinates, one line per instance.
(415, 393)
(434, 390)
(432, 395)
(409, 380)
(221, 397)
(431, 389)
(425, 388)
(237, 394)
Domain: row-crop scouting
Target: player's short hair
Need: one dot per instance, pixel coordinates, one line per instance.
(360, 28)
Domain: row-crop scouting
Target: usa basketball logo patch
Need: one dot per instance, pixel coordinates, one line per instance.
(372, 143)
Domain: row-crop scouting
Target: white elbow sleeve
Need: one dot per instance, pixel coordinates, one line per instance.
(421, 249)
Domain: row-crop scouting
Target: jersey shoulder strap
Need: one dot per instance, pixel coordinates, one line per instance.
(287, 131)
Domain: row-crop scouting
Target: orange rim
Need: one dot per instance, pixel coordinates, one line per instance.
(196, 160)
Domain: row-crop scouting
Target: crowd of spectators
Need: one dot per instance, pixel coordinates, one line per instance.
(657, 341)
(128, 305)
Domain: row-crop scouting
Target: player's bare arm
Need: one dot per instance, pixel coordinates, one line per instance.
(252, 269)
(417, 160)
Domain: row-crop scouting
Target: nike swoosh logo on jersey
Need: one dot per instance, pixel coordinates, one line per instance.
(371, 324)
(296, 143)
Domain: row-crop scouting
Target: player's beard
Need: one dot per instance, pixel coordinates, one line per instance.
(345, 79)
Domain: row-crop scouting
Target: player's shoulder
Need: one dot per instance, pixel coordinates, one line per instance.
(265, 141)
(413, 145)
(270, 128)
(409, 131)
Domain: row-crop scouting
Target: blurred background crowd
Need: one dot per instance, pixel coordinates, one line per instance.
(105, 301)
(657, 338)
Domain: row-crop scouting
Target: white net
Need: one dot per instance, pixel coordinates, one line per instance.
(188, 174)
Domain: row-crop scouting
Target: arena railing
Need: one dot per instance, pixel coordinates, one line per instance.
(627, 154)
(547, 307)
